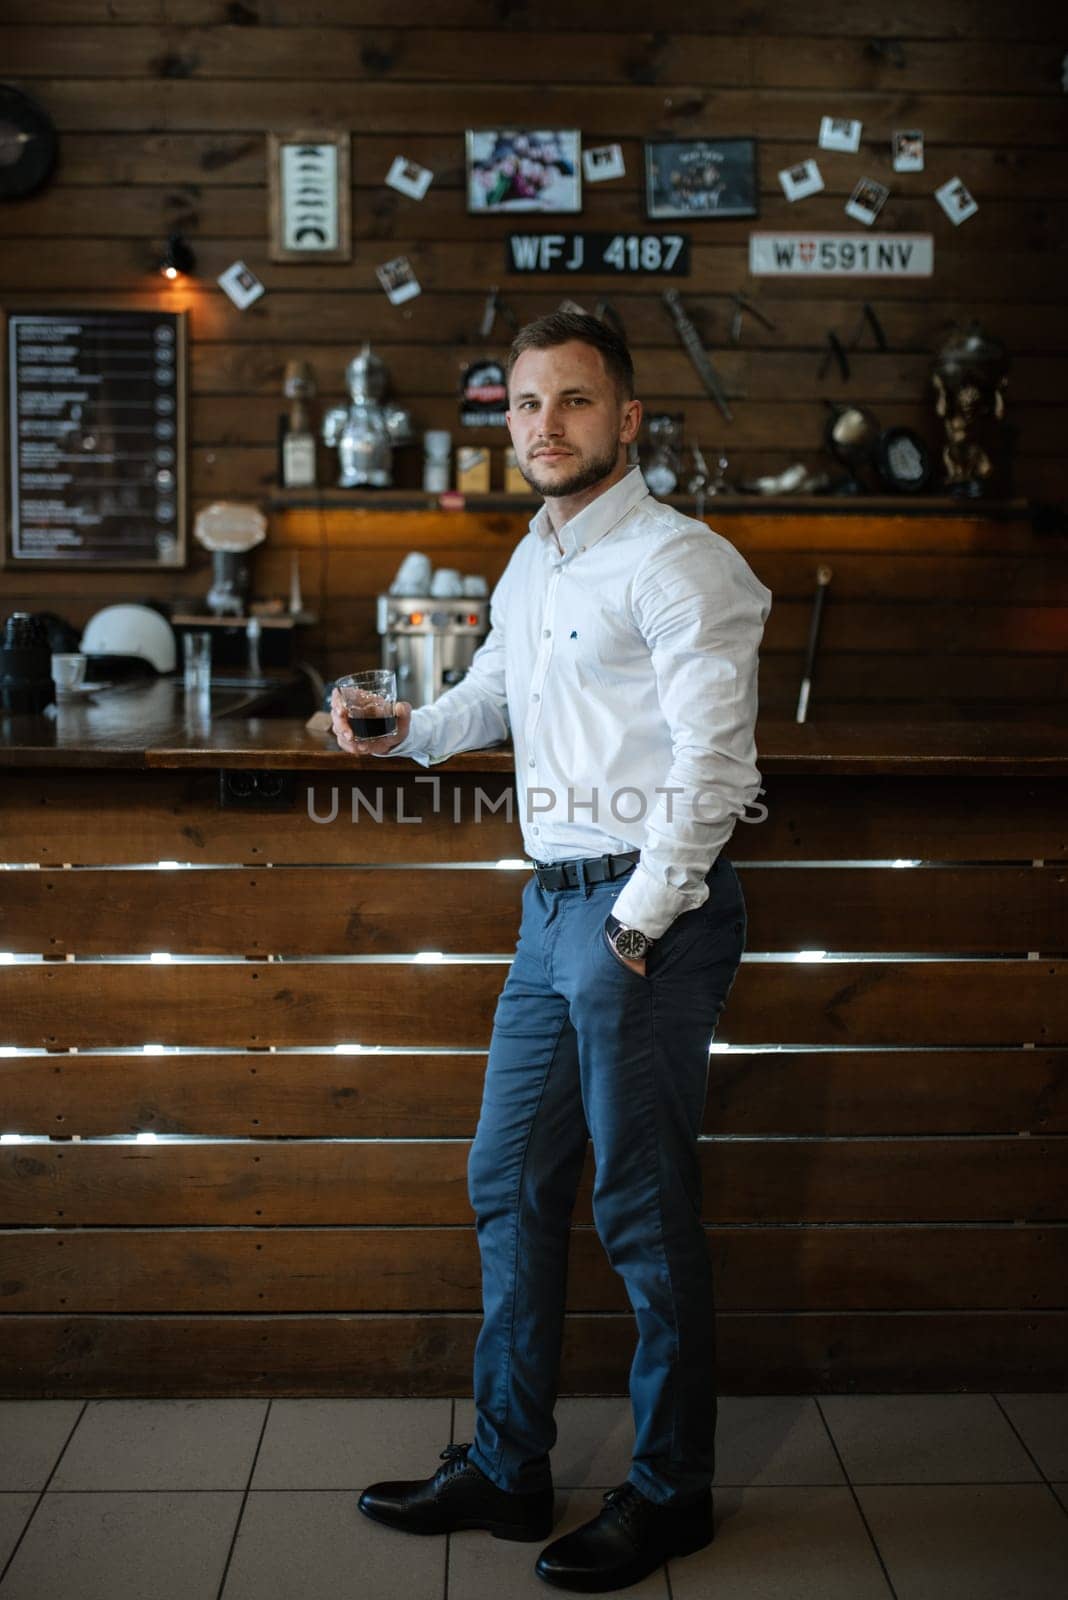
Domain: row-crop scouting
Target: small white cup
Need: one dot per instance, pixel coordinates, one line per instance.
(68, 674)
(413, 575)
(446, 584)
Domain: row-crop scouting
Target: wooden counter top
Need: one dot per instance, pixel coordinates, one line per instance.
(122, 725)
(154, 726)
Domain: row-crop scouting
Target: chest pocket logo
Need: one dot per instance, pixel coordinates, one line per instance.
(600, 647)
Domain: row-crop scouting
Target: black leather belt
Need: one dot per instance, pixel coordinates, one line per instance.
(595, 869)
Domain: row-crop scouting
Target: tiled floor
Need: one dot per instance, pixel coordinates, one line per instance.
(837, 1497)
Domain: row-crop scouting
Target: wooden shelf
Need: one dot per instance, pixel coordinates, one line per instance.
(304, 619)
(395, 500)
(409, 500)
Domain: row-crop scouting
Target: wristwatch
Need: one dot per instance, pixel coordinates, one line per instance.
(630, 943)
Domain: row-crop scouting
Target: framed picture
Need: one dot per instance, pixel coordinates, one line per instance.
(515, 170)
(701, 178)
(308, 184)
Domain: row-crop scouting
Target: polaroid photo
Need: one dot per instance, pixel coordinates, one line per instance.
(839, 133)
(802, 180)
(956, 201)
(866, 201)
(409, 177)
(602, 162)
(241, 284)
(906, 148)
(398, 280)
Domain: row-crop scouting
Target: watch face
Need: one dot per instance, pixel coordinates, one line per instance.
(632, 943)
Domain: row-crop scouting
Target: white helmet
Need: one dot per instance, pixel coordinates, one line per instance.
(131, 631)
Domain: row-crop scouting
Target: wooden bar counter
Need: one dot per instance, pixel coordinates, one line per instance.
(242, 1169)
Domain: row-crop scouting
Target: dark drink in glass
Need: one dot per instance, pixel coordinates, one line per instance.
(370, 703)
(371, 727)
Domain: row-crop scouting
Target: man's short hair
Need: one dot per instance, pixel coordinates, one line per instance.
(561, 327)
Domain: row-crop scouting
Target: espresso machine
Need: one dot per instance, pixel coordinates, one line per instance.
(429, 643)
(431, 624)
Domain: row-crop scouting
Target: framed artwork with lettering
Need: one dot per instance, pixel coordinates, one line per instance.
(697, 178)
(308, 186)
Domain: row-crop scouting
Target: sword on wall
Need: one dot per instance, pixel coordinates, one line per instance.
(696, 351)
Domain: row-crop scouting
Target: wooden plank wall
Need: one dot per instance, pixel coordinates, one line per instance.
(163, 108)
(927, 617)
(884, 1146)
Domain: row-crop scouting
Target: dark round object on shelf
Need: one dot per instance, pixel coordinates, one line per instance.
(27, 143)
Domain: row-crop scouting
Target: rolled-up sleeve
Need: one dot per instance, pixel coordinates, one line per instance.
(702, 611)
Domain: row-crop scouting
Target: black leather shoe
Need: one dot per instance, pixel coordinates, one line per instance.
(626, 1541)
(459, 1495)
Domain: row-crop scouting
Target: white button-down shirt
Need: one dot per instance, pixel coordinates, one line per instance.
(622, 658)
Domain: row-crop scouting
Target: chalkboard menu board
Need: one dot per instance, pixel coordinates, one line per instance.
(96, 438)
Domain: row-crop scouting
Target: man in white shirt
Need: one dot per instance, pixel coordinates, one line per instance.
(622, 660)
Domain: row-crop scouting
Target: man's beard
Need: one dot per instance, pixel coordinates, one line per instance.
(584, 477)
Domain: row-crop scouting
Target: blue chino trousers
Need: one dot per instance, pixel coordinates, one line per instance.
(583, 1046)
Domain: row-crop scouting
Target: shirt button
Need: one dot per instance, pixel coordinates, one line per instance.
(535, 830)
(535, 697)
(546, 633)
(532, 762)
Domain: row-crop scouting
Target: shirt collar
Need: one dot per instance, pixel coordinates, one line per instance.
(596, 519)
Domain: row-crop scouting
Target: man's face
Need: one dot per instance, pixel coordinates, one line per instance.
(569, 424)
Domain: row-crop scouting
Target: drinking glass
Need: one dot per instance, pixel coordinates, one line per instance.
(196, 655)
(370, 702)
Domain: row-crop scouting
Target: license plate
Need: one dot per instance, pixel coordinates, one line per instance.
(841, 255)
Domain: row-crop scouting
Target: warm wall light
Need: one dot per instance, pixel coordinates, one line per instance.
(178, 259)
